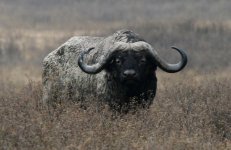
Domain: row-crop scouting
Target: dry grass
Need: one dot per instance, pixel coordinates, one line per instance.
(191, 111)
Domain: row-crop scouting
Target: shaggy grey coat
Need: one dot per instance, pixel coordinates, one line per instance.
(64, 80)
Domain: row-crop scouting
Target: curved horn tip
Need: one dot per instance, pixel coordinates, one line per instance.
(173, 68)
(174, 47)
(90, 69)
(87, 51)
(183, 55)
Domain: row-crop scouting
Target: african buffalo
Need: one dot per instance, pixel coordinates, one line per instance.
(119, 69)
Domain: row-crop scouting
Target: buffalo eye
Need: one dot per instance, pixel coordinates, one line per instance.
(118, 61)
(143, 61)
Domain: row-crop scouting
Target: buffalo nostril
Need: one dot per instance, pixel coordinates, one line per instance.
(129, 73)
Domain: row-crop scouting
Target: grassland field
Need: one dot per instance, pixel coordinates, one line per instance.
(192, 109)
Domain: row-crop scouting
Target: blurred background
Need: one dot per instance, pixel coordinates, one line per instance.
(30, 29)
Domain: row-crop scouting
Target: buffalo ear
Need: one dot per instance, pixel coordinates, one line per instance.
(109, 67)
(111, 62)
(152, 62)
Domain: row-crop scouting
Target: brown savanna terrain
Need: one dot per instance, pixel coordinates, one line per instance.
(192, 109)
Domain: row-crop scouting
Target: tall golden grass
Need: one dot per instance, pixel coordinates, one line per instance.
(191, 111)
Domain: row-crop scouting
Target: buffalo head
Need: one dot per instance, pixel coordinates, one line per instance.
(131, 56)
(131, 69)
